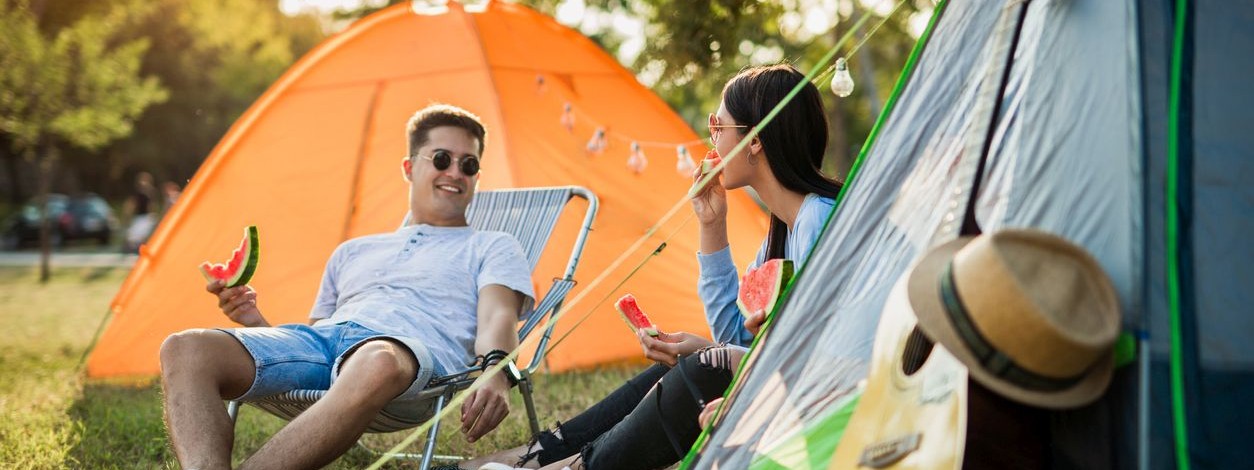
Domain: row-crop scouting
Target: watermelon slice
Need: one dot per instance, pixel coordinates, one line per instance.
(630, 310)
(238, 270)
(760, 287)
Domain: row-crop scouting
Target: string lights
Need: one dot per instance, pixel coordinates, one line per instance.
(683, 161)
(842, 81)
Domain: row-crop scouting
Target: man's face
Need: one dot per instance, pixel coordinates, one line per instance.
(440, 197)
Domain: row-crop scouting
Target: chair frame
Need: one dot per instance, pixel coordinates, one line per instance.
(441, 389)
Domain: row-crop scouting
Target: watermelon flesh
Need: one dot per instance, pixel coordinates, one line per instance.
(712, 160)
(761, 287)
(630, 310)
(239, 269)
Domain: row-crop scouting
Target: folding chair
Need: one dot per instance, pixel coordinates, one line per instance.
(530, 215)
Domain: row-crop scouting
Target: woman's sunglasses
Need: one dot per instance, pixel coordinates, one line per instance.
(442, 159)
(716, 128)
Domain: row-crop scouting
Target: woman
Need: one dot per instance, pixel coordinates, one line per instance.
(651, 421)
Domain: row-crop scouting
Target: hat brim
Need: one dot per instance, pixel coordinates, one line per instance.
(925, 300)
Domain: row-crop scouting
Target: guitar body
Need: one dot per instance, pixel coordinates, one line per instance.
(913, 412)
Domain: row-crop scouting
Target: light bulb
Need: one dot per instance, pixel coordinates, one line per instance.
(637, 162)
(475, 6)
(568, 118)
(842, 82)
(429, 7)
(596, 144)
(683, 161)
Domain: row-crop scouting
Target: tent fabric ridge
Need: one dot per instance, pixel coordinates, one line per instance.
(363, 150)
(487, 66)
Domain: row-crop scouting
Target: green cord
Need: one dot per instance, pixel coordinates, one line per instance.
(1179, 416)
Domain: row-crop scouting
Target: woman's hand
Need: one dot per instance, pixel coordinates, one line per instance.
(710, 203)
(754, 322)
(667, 347)
(707, 413)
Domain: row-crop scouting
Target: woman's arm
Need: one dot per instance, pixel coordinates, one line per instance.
(718, 285)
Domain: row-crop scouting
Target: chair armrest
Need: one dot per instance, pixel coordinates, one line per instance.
(546, 308)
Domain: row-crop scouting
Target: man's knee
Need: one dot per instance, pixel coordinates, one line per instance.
(206, 353)
(382, 364)
(185, 349)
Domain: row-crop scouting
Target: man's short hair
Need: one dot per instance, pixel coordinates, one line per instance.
(439, 115)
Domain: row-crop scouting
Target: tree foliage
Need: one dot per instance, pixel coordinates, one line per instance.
(213, 58)
(79, 86)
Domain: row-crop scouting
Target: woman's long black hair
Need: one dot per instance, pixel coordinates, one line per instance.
(795, 139)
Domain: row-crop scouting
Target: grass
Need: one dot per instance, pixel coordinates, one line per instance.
(55, 418)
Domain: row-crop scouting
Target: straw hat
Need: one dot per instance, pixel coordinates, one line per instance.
(1032, 316)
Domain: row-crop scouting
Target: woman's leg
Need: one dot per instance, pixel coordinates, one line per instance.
(659, 431)
(566, 439)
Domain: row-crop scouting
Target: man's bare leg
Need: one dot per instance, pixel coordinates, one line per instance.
(377, 372)
(198, 369)
(508, 457)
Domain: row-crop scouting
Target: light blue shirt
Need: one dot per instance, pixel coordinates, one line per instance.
(719, 283)
(423, 282)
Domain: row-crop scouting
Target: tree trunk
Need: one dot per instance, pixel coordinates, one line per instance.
(866, 72)
(836, 165)
(46, 164)
(12, 163)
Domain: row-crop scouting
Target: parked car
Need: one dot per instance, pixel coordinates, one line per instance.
(85, 216)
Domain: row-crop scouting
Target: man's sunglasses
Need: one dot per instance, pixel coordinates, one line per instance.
(441, 159)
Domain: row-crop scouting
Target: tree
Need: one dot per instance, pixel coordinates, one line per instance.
(79, 86)
(215, 57)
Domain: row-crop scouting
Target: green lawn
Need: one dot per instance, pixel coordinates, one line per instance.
(54, 418)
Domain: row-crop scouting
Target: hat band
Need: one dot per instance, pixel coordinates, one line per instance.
(993, 360)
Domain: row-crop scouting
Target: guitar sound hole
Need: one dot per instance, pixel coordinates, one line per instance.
(918, 348)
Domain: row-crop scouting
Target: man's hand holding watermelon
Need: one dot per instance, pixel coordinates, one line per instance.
(237, 303)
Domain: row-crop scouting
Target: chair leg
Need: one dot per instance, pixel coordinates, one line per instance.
(232, 410)
(524, 386)
(429, 451)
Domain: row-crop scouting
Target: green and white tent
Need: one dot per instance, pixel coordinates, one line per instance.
(1124, 126)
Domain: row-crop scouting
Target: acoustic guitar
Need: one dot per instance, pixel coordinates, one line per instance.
(913, 412)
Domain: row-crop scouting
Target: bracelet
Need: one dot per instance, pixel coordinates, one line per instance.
(493, 357)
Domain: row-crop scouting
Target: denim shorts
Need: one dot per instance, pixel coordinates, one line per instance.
(303, 357)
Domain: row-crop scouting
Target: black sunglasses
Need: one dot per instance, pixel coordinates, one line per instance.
(441, 159)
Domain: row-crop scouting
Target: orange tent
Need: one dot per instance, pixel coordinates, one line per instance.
(316, 159)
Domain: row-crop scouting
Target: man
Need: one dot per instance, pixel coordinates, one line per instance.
(393, 311)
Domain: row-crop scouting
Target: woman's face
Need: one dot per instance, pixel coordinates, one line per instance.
(725, 137)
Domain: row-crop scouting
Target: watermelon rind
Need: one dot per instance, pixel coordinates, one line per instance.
(249, 264)
(251, 249)
(776, 286)
(621, 304)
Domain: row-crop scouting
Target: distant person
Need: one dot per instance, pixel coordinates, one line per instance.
(171, 191)
(139, 213)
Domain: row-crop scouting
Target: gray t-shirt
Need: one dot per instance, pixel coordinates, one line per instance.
(423, 282)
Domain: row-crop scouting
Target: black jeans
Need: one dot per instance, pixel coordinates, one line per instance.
(641, 426)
